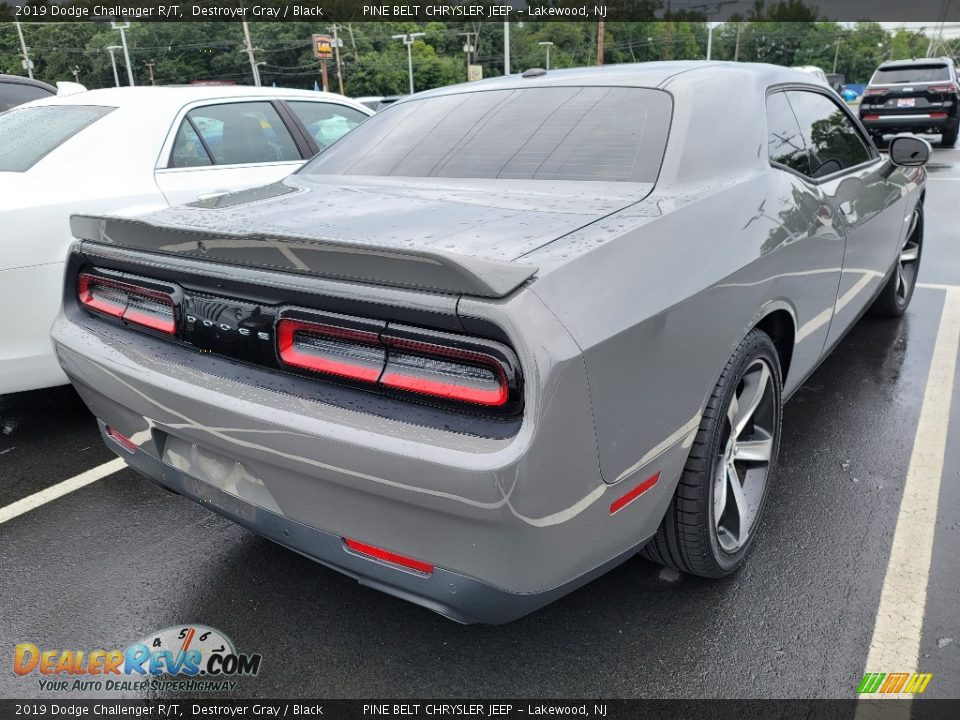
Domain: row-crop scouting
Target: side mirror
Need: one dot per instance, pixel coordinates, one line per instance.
(909, 151)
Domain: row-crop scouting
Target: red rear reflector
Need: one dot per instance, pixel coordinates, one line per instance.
(125, 442)
(344, 352)
(938, 116)
(445, 372)
(871, 117)
(387, 556)
(149, 308)
(639, 490)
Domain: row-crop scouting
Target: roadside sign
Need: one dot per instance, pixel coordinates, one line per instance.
(322, 47)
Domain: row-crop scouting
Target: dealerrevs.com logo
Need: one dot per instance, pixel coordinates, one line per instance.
(186, 658)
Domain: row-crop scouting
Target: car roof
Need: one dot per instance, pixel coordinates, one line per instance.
(20, 80)
(680, 74)
(176, 96)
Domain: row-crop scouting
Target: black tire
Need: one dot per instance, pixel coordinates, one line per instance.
(688, 538)
(894, 299)
(949, 137)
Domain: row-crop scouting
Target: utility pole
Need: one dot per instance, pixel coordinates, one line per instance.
(709, 39)
(506, 47)
(27, 62)
(122, 27)
(408, 40)
(250, 55)
(113, 63)
(736, 48)
(836, 54)
(336, 51)
(468, 49)
(600, 42)
(150, 66)
(546, 45)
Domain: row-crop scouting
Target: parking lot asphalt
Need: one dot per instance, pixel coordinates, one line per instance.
(114, 560)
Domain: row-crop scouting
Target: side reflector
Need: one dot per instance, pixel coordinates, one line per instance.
(639, 490)
(124, 442)
(344, 352)
(139, 305)
(387, 556)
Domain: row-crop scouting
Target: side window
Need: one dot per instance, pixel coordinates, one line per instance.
(784, 139)
(248, 132)
(13, 94)
(832, 139)
(188, 151)
(326, 122)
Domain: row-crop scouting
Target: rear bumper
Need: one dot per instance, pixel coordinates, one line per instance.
(27, 361)
(451, 594)
(893, 123)
(509, 524)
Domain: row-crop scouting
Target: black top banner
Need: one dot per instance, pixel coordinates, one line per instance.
(931, 11)
(460, 709)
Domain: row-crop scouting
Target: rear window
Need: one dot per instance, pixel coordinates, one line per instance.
(552, 133)
(911, 74)
(28, 134)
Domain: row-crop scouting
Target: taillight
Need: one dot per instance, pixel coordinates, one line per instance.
(402, 359)
(318, 347)
(950, 88)
(445, 372)
(136, 304)
(871, 92)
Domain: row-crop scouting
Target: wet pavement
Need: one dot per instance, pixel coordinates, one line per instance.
(120, 558)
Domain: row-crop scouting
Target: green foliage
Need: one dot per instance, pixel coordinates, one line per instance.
(785, 32)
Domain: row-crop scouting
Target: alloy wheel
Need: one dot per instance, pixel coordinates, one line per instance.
(743, 463)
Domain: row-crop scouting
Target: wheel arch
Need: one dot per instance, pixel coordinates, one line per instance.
(780, 325)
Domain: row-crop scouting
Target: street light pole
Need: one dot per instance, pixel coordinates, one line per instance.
(506, 47)
(709, 39)
(113, 63)
(27, 62)
(408, 40)
(122, 26)
(546, 45)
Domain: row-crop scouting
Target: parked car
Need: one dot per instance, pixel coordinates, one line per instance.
(378, 102)
(917, 96)
(16, 90)
(504, 335)
(131, 150)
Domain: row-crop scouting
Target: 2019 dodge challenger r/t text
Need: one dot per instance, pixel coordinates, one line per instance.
(505, 335)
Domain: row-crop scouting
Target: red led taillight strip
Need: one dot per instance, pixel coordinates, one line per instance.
(381, 357)
(120, 300)
(387, 556)
(395, 377)
(337, 360)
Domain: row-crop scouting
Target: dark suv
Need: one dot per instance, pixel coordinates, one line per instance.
(919, 96)
(16, 90)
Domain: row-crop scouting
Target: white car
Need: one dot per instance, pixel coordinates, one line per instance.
(129, 151)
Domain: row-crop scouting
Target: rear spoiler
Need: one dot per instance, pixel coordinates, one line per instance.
(433, 271)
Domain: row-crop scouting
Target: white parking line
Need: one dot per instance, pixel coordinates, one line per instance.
(895, 646)
(60, 489)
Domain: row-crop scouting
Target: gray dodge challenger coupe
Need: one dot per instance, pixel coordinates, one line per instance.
(504, 335)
